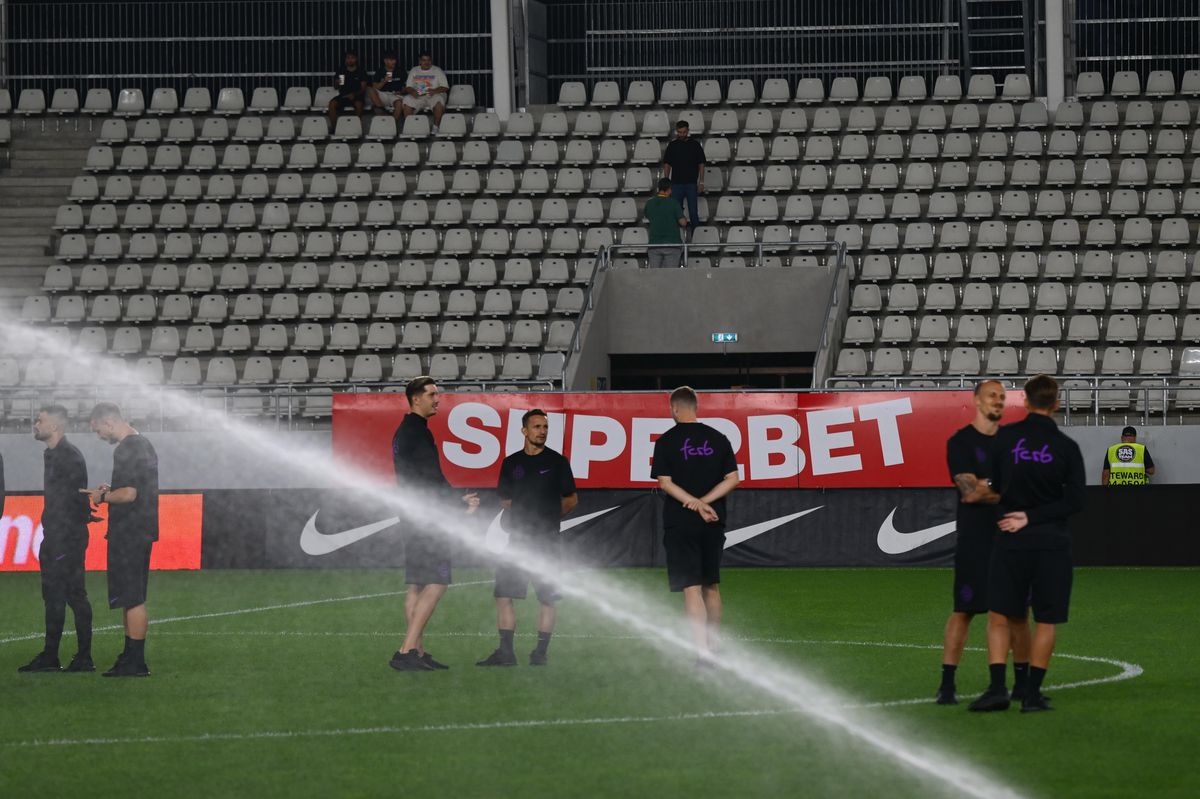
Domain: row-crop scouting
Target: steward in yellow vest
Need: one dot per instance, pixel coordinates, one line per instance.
(1127, 463)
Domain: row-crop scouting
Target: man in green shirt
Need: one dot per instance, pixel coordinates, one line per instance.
(665, 216)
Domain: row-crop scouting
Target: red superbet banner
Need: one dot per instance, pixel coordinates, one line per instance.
(782, 440)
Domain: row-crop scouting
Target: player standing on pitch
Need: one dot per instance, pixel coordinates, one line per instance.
(968, 454)
(1038, 472)
(426, 552)
(696, 469)
(536, 489)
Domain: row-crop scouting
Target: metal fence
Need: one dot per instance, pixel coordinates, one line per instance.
(234, 43)
(1141, 36)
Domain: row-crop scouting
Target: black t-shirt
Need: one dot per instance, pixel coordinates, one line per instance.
(696, 457)
(356, 80)
(135, 465)
(970, 452)
(393, 85)
(536, 485)
(415, 459)
(685, 157)
(1037, 469)
(66, 512)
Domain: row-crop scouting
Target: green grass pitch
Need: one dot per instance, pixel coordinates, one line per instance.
(299, 701)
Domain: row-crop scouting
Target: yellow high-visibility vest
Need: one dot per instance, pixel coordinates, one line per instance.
(1127, 465)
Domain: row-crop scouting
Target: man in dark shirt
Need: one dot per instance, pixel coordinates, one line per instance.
(427, 552)
(132, 500)
(65, 538)
(696, 469)
(666, 218)
(968, 455)
(1127, 463)
(385, 90)
(683, 164)
(1038, 472)
(536, 489)
(350, 81)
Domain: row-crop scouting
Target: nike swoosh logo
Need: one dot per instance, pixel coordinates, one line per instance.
(314, 542)
(496, 538)
(743, 534)
(893, 542)
(544, 471)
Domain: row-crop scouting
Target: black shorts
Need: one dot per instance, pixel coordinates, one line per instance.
(972, 555)
(427, 559)
(63, 571)
(512, 581)
(128, 571)
(1039, 577)
(693, 556)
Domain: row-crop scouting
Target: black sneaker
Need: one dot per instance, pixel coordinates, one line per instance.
(428, 660)
(408, 661)
(991, 699)
(946, 695)
(1035, 704)
(127, 668)
(499, 658)
(81, 663)
(41, 663)
(537, 658)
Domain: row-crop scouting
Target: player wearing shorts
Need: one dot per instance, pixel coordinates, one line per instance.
(536, 489)
(64, 543)
(968, 455)
(426, 552)
(695, 468)
(425, 89)
(132, 500)
(1038, 472)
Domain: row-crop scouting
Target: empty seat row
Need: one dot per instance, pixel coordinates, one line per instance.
(1003, 360)
(1060, 265)
(1093, 296)
(1013, 328)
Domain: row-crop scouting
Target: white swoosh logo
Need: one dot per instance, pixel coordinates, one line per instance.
(496, 538)
(893, 542)
(735, 537)
(314, 542)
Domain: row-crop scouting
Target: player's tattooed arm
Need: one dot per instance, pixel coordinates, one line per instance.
(973, 491)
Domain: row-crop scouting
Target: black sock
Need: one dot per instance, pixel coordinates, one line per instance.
(137, 650)
(506, 640)
(1020, 675)
(997, 671)
(948, 675)
(1036, 675)
(543, 643)
(56, 618)
(83, 626)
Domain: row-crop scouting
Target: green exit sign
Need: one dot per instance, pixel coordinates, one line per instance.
(724, 338)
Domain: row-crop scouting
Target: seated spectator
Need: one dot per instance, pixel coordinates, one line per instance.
(665, 215)
(426, 89)
(384, 91)
(351, 83)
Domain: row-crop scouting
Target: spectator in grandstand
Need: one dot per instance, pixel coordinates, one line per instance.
(65, 517)
(1127, 463)
(351, 83)
(132, 501)
(684, 164)
(1038, 472)
(427, 552)
(969, 454)
(384, 91)
(536, 489)
(696, 469)
(425, 89)
(665, 216)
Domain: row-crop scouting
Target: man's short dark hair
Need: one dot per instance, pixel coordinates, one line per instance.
(416, 387)
(664, 184)
(685, 395)
(530, 414)
(683, 123)
(425, 54)
(350, 51)
(57, 411)
(1041, 392)
(1129, 431)
(389, 54)
(106, 410)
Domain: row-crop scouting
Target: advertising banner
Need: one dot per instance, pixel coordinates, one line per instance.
(178, 546)
(781, 440)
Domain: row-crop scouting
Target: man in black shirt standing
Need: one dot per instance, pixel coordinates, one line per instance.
(350, 81)
(385, 90)
(968, 455)
(536, 489)
(65, 516)
(683, 164)
(427, 552)
(1038, 472)
(132, 500)
(696, 469)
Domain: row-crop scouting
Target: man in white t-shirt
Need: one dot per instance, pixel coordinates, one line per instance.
(425, 90)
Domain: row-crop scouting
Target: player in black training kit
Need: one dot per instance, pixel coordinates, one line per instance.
(65, 538)
(696, 469)
(968, 455)
(536, 489)
(1038, 472)
(426, 552)
(132, 530)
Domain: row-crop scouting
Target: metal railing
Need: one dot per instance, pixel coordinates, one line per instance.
(1143, 36)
